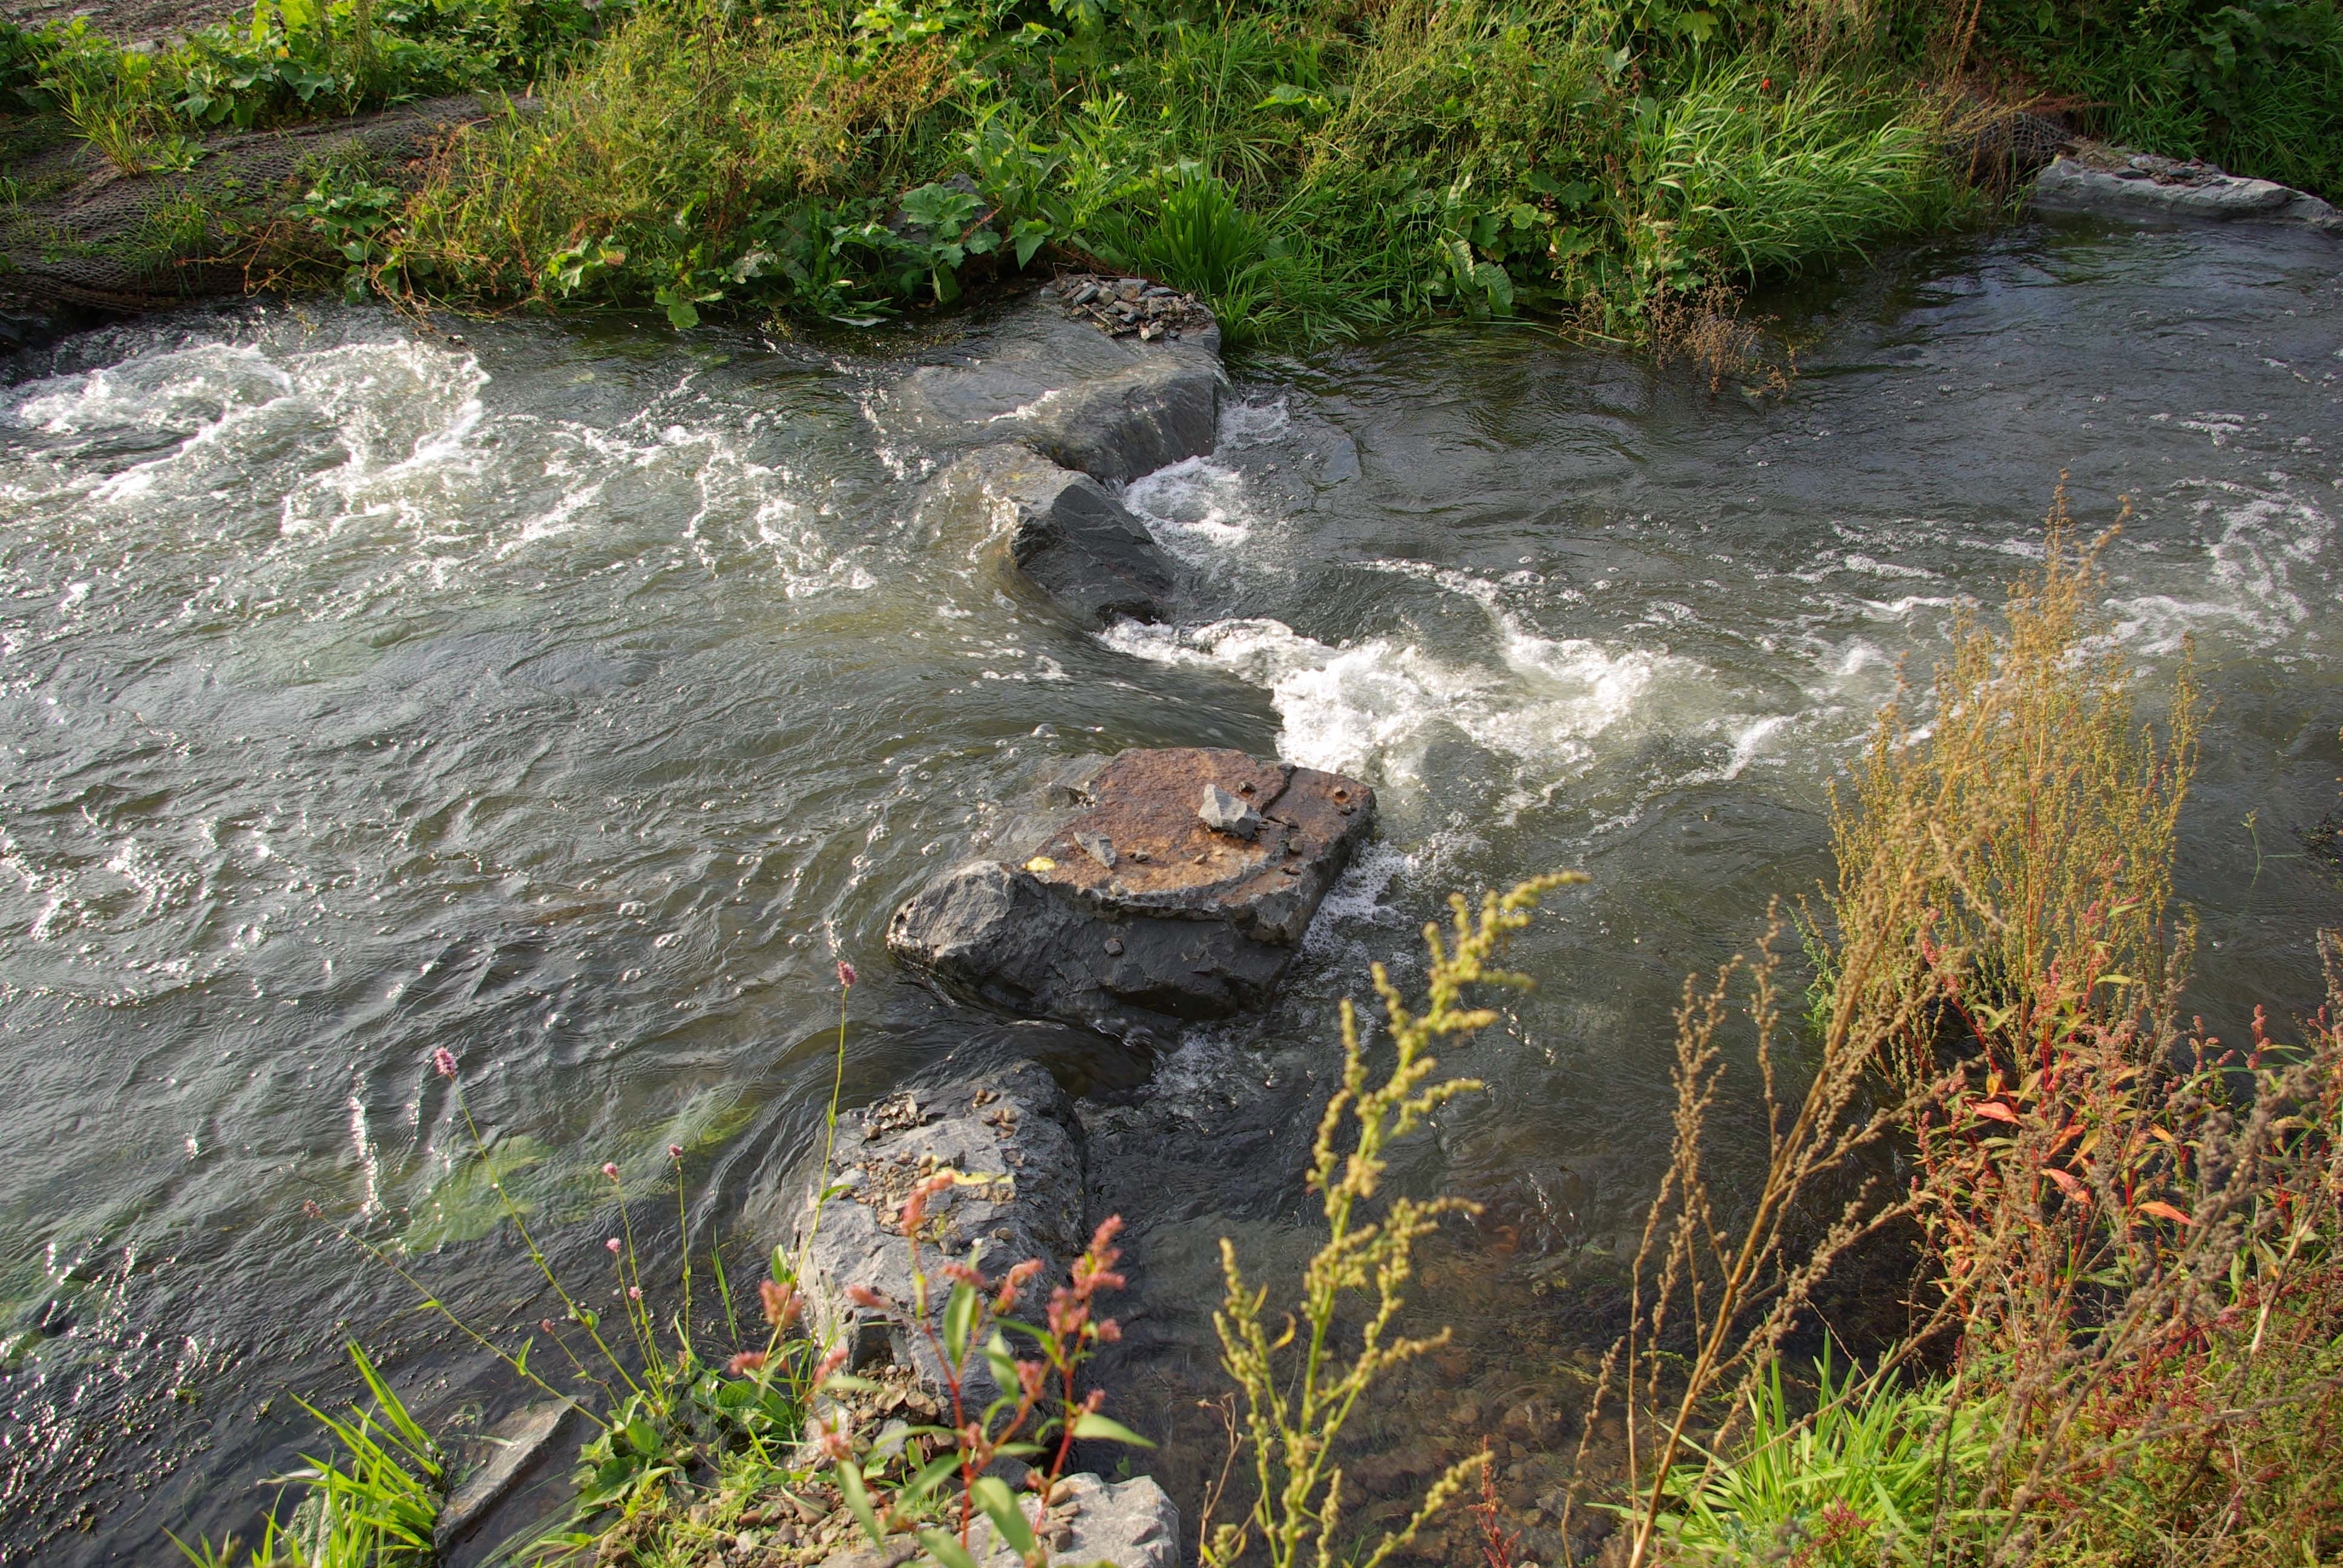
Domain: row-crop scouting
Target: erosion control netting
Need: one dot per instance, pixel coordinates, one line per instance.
(80, 232)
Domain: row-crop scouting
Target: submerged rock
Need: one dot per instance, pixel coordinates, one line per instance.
(507, 1450)
(2117, 184)
(1186, 921)
(1063, 530)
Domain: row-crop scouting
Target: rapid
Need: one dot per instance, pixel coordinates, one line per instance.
(573, 697)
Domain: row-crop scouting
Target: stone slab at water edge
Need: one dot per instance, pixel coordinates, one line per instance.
(1011, 1134)
(2117, 183)
(1135, 910)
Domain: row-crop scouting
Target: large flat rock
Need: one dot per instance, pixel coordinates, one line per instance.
(1060, 530)
(1131, 912)
(1035, 372)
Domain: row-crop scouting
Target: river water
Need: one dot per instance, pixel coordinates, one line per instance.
(570, 697)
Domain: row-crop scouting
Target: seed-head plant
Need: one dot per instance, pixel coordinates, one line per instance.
(2034, 815)
(1299, 1381)
(2126, 1326)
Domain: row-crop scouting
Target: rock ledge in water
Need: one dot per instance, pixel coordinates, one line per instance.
(1134, 912)
(1113, 408)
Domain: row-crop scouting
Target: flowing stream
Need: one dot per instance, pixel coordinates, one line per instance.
(570, 697)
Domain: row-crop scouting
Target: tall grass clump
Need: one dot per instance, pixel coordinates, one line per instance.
(1760, 177)
(2126, 1314)
(372, 1504)
(703, 145)
(2035, 817)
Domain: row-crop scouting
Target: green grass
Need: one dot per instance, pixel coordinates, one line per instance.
(373, 1503)
(1858, 1480)
(1313, 171)
(1313, 168)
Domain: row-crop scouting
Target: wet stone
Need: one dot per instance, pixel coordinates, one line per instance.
(1189, 921)
(1059, 529)
(1012, 1137)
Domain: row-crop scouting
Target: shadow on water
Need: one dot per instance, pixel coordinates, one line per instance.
(571, 698)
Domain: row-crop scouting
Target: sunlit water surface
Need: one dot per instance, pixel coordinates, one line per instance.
(571, 698)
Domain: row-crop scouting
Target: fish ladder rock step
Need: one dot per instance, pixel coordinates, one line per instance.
(1176, 888)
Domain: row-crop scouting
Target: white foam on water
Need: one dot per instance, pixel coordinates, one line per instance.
(1375, 706)
(1195, 508)
(184, 390)
(386, 462)
(2266, 551)
(1253, 423)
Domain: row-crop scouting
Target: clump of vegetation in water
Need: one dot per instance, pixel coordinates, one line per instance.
(2127, 1283)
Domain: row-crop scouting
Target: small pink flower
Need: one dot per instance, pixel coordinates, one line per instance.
(747, 1362)
(845, 973)
(675, 1151)
(781, 1303)
(831, 1438)
(864, 1296)
(443, 1062)
(634, 1293)
(613, 1244)
(1013, 1283)
(610, 1168)
(828, 1366)
(545, 1325)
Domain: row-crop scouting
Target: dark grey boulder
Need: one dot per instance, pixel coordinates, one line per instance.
(1062, 530)
(2113, 183)
(1113, 408)
(1010, 1135)
(1131, 914)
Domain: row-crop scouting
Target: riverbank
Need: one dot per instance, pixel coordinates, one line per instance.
(1310, 171)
